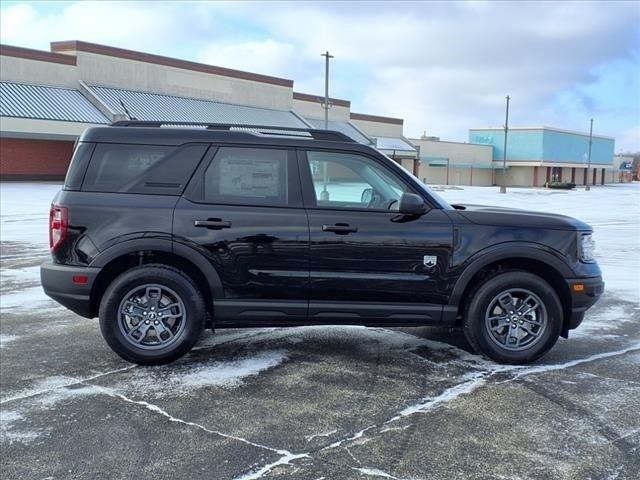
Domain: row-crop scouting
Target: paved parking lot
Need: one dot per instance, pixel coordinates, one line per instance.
(318, 402)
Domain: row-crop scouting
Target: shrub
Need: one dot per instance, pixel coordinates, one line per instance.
(561, 185)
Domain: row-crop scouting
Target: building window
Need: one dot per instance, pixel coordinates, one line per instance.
(556, 174)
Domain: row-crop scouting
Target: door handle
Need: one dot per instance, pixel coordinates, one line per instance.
(340, 228)
(212, 224)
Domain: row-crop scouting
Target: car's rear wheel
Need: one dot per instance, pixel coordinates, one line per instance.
(513, 317)
(152, 314)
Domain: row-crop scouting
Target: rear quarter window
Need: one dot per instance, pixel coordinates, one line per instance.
(149, 169)
(78, 166)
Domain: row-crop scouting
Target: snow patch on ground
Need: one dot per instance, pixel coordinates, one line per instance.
(25, 211)
(39, 387)
(184, 378)
(7, 339)
(601, 320)
(63, 394)
(27, 300)
(21, 275)
(231, 374)
(10, 431)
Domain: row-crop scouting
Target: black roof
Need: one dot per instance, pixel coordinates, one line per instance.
(158, 133)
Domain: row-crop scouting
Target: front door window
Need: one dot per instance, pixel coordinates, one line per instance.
(353, 182)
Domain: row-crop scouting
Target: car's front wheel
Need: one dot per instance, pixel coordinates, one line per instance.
(152, 314)
(513, 317)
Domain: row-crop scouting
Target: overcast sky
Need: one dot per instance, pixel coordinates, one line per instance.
(443, 67)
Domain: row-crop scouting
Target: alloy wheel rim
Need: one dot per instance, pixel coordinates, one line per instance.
(516, 319)
(151, 316)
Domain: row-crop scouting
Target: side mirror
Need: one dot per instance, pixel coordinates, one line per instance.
(412, 204)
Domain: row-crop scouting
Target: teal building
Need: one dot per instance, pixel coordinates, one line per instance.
(536, 155)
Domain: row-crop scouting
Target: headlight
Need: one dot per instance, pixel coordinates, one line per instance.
(587, 247)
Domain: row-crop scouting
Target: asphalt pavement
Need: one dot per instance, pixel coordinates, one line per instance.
(311, 402)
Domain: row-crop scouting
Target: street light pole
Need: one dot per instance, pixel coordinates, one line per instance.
(326, 88)
(586, 185)
(503, 187)
(447, 170)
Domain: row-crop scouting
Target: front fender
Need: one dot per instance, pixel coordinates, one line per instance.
(504, 251)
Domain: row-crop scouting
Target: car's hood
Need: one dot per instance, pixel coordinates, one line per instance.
(513, 217)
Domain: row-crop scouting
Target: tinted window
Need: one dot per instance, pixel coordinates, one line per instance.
(78, 166)
(247, 176)
(353, 181)
(142, 168)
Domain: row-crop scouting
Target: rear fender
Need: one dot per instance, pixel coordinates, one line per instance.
(167, 246)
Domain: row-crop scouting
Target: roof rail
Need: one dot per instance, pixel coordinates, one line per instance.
(316, 134)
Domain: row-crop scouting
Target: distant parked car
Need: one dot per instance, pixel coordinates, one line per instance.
(162, 232)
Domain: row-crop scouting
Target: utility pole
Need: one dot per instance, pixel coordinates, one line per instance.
(326, 88)
(586, 185)
(503, 187)
(447, 170)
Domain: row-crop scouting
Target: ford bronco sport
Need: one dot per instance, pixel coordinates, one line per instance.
(163, 230)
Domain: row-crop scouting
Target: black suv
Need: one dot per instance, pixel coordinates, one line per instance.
(163, 230)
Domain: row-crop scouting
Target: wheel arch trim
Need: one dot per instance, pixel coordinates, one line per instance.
(165, 246)
(505, 252)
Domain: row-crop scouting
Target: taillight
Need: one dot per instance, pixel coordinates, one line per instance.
(58, 224)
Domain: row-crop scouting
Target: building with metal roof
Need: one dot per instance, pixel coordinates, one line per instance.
(21, 100)
(50, 98)
(395, 146)
(345, 127)
(171, 108)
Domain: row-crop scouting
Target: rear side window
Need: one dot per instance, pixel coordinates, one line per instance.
(78, 165)
(150, 169)
(247, 176)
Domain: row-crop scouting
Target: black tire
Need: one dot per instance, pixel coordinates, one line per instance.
(113, 323)
(479, 335)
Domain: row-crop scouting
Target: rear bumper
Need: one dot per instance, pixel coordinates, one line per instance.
(583, 298)
(58, 283)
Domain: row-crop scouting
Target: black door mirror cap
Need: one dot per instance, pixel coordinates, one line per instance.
(412, 204)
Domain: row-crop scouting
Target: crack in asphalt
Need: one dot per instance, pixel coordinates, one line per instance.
(73, 382)
(285, 458)
(477, 380)
(626, 435)
(374, 472)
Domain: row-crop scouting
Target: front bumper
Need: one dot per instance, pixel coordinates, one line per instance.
(585, 292)
(58, 283)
